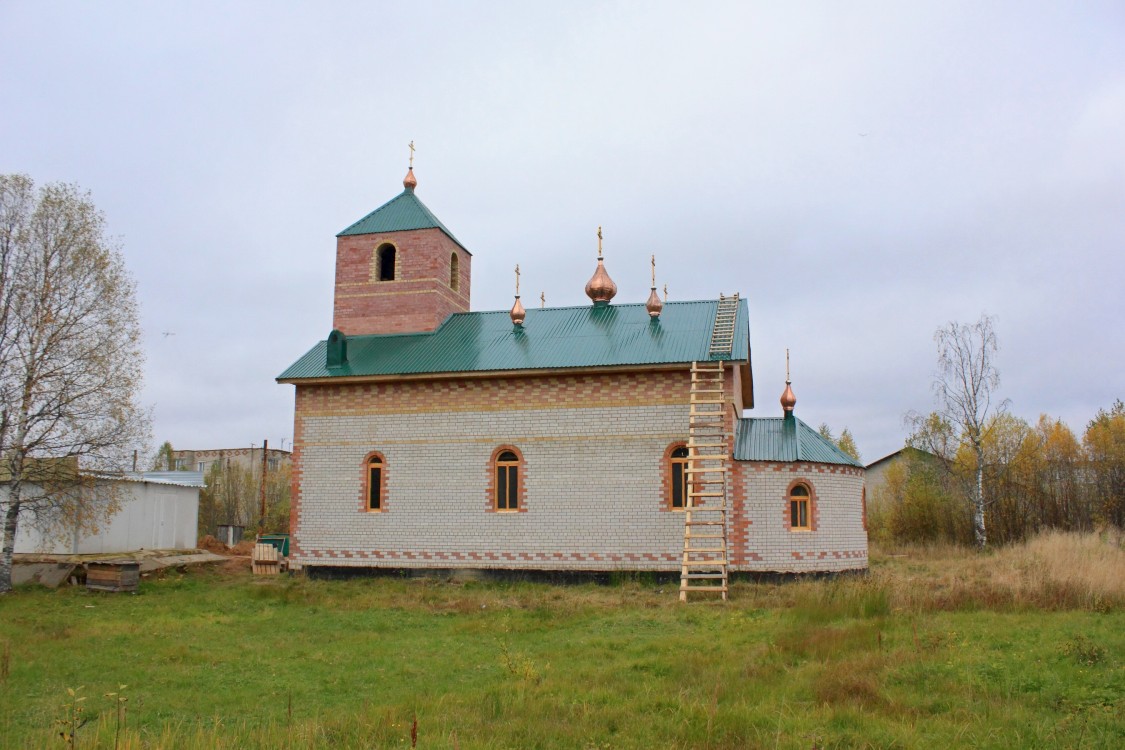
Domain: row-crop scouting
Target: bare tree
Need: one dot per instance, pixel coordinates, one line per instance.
(965, 385)
(70, 358)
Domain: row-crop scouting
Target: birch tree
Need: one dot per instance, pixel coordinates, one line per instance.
(70, 358)
(965, 385)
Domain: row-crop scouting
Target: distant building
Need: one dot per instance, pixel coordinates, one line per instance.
(877, 470)
(246, 458)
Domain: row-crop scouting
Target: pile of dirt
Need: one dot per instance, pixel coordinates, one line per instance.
(211, 544)
(245, 547)
(237, 565)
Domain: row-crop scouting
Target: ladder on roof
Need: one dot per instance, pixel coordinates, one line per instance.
(722, 335)
(705, 563)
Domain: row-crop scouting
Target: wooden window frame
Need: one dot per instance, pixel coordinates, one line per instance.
(809, 500)
(494, 465)
(365, 483)
(667, 477)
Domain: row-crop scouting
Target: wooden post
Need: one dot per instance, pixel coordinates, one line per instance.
(262, 489)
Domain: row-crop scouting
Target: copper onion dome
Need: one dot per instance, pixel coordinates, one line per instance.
(410, 181)
(600, 288)
(788, 399)
(654, 305)
(518, 313)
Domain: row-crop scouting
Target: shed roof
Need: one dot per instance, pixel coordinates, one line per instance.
(550, 338)
(402, 213)
(785, 439)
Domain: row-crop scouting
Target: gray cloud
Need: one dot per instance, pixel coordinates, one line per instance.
(862, 172)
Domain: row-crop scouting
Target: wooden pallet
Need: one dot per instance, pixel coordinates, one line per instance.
(265, 560)
(704, 566)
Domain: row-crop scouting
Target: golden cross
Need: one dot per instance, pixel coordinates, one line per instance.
(654, 272)
(787, 365)
(517, 279)
(599, 243)
(542, 299)
(411, 146)
(665, 292)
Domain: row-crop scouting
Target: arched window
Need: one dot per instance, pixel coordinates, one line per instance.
(800, 508)
(385, 263)
(454, 278)
(678, 477)
(507, 481)
(374, 491)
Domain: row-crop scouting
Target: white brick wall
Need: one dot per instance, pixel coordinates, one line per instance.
(593, 495)
(839, 541)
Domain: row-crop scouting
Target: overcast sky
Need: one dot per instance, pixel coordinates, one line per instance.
(861, 172)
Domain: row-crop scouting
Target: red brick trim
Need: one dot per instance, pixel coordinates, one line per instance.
(495, 557)
(366, 474)
(666, 478)
(295, 473)
(521, 491)
(857, 554)
(739, 527)
(814, 513)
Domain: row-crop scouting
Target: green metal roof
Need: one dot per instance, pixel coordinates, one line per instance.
(400, 214)
(785, 439)
(551, 338)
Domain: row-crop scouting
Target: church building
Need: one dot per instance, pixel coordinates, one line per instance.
(607, 436)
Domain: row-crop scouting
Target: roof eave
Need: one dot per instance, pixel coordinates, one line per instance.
(483, 374)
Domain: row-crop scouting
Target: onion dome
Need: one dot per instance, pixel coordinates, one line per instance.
(518, 313)
(600, 288)
(654, 305)
(788, 400)
(410, 181)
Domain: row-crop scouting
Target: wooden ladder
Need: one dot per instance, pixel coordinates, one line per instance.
(722, 335)
(704, 567)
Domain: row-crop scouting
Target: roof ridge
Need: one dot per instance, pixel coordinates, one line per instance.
(587, 305)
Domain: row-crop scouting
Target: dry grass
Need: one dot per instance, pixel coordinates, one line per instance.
(1053, 571)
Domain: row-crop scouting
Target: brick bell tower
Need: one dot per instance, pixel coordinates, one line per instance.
(398, 269)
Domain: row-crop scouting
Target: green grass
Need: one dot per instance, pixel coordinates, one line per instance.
(214, 659)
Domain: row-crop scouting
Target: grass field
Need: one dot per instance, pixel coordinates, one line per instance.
(939, 648)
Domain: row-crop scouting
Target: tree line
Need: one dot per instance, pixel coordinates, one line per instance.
(1036, 477)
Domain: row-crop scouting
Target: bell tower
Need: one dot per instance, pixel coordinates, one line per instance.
(398, 269)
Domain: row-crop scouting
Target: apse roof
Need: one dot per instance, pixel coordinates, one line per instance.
(785, 439)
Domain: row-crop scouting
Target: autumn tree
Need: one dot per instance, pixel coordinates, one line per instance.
(1105, 445)
(846, 442)
(165, 458)
(70, 357)
(230, 496)
(965, 385)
